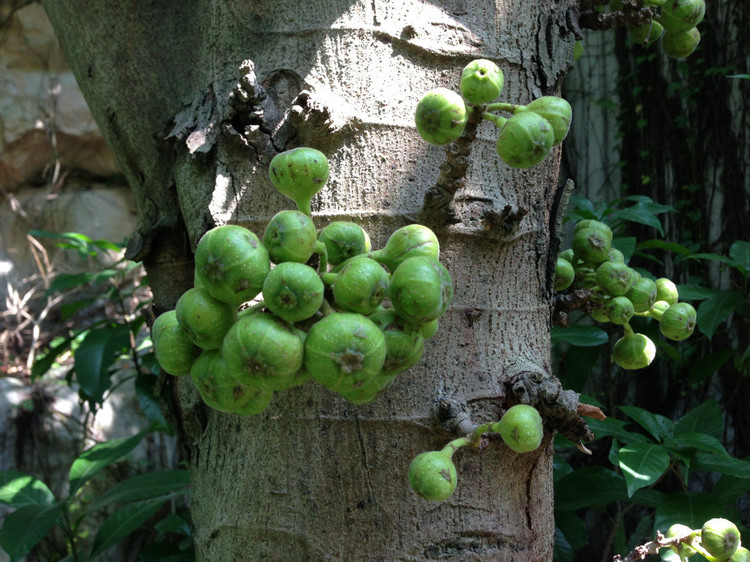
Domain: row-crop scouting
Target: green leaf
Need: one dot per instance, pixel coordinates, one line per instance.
(658, 244)
(46, 361)
(740, 254)
(150, 404)
(26, 526)
(173, 523)
(591, 485)
(689, 508)
(730, 488)
(145, 486)
(658, 426)
(573, 528)
(66, 281)
(707, 365)
(626, 245)
(123, 522)
(695, 292)
(563, 551)
(744, 76)
(95, 354)
(98, 457)
(712, 462)
(699, 441)
(642, 464)
(18, 489)
(612, 427)
(716, 309)
(709, 257)
(581, 336)
(643, 213)
(706, 418)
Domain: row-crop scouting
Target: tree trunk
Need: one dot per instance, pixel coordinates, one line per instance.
(313, 477)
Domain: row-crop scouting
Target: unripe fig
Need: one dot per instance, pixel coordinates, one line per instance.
(525, 140)
(720, 537)
(521, 428)
(680, 44)
(564, 275)
(344, 240)
(599, 313)
(614, 278)
(740, 555)
(682, 15)
(666, 291)
(404, 344)
(293, 291)
(481, 81)
(555, 110)
(299, 174)
(642, 294)
(634, 351)
(588, 224)
(567, 255)
(231, 264)
(263, 350)
(441, 116)
(647, 33)
(619, 310)
(591, 245)
(615, 255)
(369, 390)
(223, 389)
(290, 236)
(344, 350)
(205, 319)
(421, 290)
(429, 329)
(407, 242)
(678, 321)
(682, 549)
(174, 350)
(658, 309)
(360, 285)
(433, 476)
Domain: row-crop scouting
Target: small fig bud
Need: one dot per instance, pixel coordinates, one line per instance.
(481, 81)
(205, 319)
(720, 537)
(525, 140)
(680, 44)
(682, 15)
(293, 291)
(290, 236)
(599, 313)
(441, 116)
(666, 291)
(564, 275)
(588, 224)
(619, 310)
(647, 33)
(433, 476)
(678, 321)
(682, 549)
(344, 240)
(567, 255)
(299, 174)
(555, 110)
(642, 294)
(521, 428)
(429, 329)
(634, 351)
(615, 278)
(404, 343)
(616, 255)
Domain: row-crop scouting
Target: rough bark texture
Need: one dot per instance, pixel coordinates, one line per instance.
(315, 478)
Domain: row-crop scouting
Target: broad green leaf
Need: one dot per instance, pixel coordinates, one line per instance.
(658, 426)
(45, 362)
(95, 355)
(626, 245)
(642, 464)
(658, 244)
(647, 497)
(573, 528)
(689, 508)
(166, 552)
(707, 365)
(695, 292)
(709, 257)
(730, 488)
(699, 441)
(145, 486)
(66, 281)
(98, 457)
(581, 336)
(612, 427)
(26, 526)
(643, 213)
(743, 76)
(563, 551)
(123, 522)
(706, 418)
(150, 404)
(18, 489)
(560, 467)
(173, 523)
(591, 485)
(724, 464)
(740, 254)
(716, 309)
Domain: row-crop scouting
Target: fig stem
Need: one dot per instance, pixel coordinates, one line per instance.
(329, 278)
(304, 206)
(471, 439)
(496, 119)
(326, 309)
(502, 106)
(322, 251)
(628, 330)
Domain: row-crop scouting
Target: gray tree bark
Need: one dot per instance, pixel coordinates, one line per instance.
(194, 127)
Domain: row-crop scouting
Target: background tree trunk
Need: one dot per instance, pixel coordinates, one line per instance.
(314, 477)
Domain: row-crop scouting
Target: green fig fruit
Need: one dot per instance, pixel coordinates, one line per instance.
(680, 44)
(591, 245)
(290, 236)
(521, 428)
(564, 275)
(299, 174)
(615, 278)
(293, 291)
(555, 110)
(525, 140)
(174, 350)
(433, 476)
(360, 285)
(634, 351)
(404, 343)
(678, 321)
(642, 294)
(344, 240)
(682, 549)
(647, 33)
(619, 310)
(420, 290)
(481, 81)
(720, 537)
(441, 116)
(740, 555)
(206, 320)
(407, 242)
(682, 15)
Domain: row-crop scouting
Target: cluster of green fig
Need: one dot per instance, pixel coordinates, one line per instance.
(524, 138)
(618, 293)
(432, 474)
(675, 24)
(718, 540)
(331, 308)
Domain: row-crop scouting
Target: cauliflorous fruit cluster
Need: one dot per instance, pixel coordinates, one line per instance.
(524, 138)
(675, 23)
(718, 539)
(618, 293)
(432, 474)
(352, 323)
